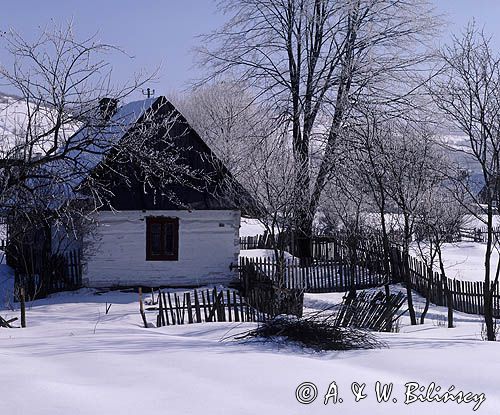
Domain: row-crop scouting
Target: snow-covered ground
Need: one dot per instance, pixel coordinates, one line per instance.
(465, 260)
(73, 358)
(251, 227)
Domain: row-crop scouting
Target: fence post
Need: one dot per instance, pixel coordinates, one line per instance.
(141, 309)
(23, 307)
(449, 303)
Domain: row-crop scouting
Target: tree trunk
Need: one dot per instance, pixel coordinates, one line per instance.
(427, 296)
(386, 259)
(488, 306)
(352, 245)
(22, 300)
(407, 276)
(303, 238)
(447, 292)
(409, 297)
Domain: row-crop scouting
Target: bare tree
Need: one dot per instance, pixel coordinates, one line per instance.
(58, 81)
(269, 180)
(226, 117)
(347, 201)
(439, 221)
(409, 158)
(310, 61)
(466, 92)
(67, 144)
(368, 142)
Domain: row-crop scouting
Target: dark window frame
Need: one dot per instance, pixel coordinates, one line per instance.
(162, 221)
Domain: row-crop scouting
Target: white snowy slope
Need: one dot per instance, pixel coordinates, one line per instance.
(251, 227)
(465, 260)
(21, 121)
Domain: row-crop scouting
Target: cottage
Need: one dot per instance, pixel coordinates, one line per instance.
(147, 237)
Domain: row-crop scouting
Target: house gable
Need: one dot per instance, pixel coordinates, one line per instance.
(195, 194)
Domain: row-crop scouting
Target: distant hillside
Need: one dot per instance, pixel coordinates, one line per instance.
(15, 128)
(12, 119)
(459, 150)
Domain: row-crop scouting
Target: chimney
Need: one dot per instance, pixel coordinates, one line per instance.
(108, 107)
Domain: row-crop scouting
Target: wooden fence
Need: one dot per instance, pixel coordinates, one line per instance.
(322, 247)
(255, 242)
(319, 277)
(373, 311)
(204, 306)
(42, 274)
(334, 268)
(465, 296)
(266, 294)
(476, 234)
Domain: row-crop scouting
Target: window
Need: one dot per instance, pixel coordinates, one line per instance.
(162, 239)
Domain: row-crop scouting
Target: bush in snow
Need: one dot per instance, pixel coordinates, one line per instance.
(315, 332)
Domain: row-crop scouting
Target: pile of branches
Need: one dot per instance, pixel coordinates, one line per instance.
(315, 331)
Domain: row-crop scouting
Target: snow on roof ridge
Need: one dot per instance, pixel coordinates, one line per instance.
(75, 168)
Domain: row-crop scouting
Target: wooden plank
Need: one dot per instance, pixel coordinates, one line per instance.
(235, 305)
(470, 295)
(242, 310)
(141, 309)
(177, 309)
(197, 310)
(171, 309)
(229, 305)
(165, 309)
(209, 305)
(214, 314)
(189, 308)
(161, 319)
(204, 305)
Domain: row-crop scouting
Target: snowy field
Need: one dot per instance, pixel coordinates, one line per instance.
(465, 260)
(73, 358)
(251, 227)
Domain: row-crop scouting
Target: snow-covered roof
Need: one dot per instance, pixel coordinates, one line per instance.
(85, 150)
(92, 143)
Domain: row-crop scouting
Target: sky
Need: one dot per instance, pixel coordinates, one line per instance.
(162, 34)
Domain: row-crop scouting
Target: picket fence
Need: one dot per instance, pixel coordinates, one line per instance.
(41, 274)
(465, 296)
(333, 269)
(199, 306)
(319, 277)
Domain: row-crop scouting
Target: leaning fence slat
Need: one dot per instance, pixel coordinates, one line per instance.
(171, 309)
(197, 307)
(189, 308)
(161, 319)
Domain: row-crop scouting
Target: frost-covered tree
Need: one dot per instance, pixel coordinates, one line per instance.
(346, 204)
(62, 85)
(466, 91)
(411, 159)
(439, 221)
(226, 117)
(310, 61)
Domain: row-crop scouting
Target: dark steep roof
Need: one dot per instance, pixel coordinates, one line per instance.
(196, 154)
